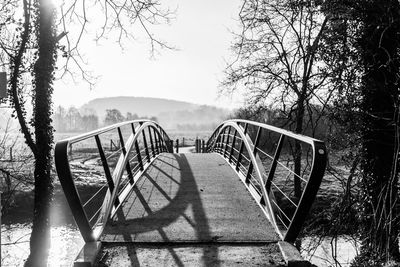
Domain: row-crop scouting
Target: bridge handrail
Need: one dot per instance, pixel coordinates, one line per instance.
(224, 142)
(113, 197)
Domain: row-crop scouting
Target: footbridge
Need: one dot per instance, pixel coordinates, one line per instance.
(240, 201)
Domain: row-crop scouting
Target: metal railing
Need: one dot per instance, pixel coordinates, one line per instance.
(295, 164)
(111, 172)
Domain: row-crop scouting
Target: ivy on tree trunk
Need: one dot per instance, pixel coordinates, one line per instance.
(380, 145)
(43, 78)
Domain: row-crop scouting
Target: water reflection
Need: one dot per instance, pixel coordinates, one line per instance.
(66, 242)
(329, 252)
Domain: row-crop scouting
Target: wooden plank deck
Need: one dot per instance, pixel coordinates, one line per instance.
(190, 210)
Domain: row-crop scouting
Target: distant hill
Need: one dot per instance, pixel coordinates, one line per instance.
(142, 106)
(170, 113)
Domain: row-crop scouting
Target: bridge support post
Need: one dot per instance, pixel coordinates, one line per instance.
(87, 256)
(291, 255)
(170, 145)
(177, 146)
(198, 145)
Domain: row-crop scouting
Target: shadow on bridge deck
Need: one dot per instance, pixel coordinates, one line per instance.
(190, 210)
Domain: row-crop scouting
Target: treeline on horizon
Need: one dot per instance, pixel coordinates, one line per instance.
(72, 119)
(76, 120)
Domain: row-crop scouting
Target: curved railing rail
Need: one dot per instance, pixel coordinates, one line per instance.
(295, 164)
(96, 179)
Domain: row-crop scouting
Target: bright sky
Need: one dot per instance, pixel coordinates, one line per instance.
(201, 31)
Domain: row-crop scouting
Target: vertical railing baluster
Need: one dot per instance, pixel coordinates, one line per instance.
(227, 141)
(106, 168)
(217, 140)
(214, 148)
(145, 145)
(160, 140)
(297, 169)
(138, 154)
(166, 142)
(256, 141)
(156, 140)
(241, 148)
(151, 142)
(233, 146)
(274, 163)
(128, 165)
(249, 171)
(222, 139)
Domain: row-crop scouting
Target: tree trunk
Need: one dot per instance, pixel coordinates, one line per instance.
(380, 44)
(43, 73)
(297, 145)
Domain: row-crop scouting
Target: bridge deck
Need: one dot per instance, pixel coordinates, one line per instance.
(190, 208)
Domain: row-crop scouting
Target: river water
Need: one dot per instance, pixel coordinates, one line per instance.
(66, 243)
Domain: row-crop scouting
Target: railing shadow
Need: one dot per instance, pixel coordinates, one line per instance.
(167, 197)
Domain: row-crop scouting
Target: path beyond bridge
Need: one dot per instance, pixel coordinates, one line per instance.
(144, 205)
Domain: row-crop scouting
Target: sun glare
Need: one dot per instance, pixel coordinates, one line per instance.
(58, 3)
(65, 244)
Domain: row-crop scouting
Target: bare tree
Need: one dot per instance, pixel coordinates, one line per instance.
(31, 46)
(120, 20)
(277, 61)
(15, 171)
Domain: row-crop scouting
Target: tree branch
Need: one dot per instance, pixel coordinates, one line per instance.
(15, 77)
